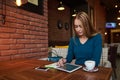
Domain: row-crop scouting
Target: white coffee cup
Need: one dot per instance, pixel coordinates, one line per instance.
(89, 64)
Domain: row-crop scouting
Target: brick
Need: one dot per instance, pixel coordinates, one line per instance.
(7, 41)
(30, 45)
(8, 52)
(29, 37)
(15, 25)
(44, 41)
(39, 45)
(16, 15)
(35, 41)
(44, 49)
(17, 56)
(24, 35)
(24, 41)
(21, 21)
(16, 36)
(29, 55)
(5, 29)
(11, 19)
(4, 47)
(42, 55)
(23, 51)
(26, 17)
(4, 35)
(44, 45)
(35, 23)
(35, 32)
(29, 27)
(36, 55)
(22, 31)
(5, 58)
(0, 11)
(11, 9)
(34, 50)
(17, 46)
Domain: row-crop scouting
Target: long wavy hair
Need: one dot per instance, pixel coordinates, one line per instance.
(88, 27)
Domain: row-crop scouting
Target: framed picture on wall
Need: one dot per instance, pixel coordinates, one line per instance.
(35, 6)
(59, 24)
(66, 26)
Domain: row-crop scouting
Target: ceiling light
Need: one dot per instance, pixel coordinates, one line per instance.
(119, 24)
(60, 6)
(74, 13)
(18, 2)
(118, 18)
(105, 33)
(116, 6)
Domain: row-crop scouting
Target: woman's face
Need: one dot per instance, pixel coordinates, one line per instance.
(78, 26)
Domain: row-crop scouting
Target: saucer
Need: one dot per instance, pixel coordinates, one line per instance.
(93, 70)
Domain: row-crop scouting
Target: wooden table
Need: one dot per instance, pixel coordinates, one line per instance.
(24, 70)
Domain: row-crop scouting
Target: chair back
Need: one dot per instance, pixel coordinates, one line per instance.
(104, 56)
(112, 55)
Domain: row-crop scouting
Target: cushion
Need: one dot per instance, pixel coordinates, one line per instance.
(61, 46)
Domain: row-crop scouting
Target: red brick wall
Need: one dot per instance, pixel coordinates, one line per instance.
(56, 34)
(24, 34)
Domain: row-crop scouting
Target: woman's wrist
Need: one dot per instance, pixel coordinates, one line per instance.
(64, 60)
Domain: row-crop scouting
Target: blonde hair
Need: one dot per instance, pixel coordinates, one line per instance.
(88, 27)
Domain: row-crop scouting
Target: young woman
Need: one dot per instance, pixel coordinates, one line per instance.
(86, 44)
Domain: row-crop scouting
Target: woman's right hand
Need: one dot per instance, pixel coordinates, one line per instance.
(61, 62)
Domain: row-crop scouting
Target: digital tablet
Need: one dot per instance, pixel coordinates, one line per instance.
(68, 67)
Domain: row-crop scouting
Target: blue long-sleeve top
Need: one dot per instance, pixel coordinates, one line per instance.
(90, 50)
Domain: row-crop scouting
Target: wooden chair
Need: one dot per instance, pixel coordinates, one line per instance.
(112, 55)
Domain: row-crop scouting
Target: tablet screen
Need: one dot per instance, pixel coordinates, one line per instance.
(69, 67)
